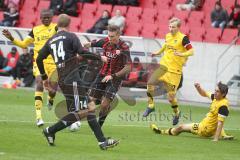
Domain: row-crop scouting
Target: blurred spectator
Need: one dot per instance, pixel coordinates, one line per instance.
(10, 17)
(190, 5)
(12, 58)
(121, 2)
(101, 24)
(70, 8)
(31, 52)
(234, 18)
(219, 16)
(56, 6)
(113, 2)
(118, 20)
(128, 2)
(152, 67)
(24, 69)
(3, 60)
(2, 5)
(12, 3)
(136, 73)
(90, 1)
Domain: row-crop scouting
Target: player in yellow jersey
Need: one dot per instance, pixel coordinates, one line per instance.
(177, 48)
(212, 124)
(38, 36)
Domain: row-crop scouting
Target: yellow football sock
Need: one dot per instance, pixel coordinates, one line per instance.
(150, 91)
(169, 131)
(51, 95)
(38, 104)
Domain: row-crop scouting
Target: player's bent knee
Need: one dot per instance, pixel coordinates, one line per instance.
(180, 128)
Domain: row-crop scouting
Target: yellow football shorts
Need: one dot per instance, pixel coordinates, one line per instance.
(50, 70)
(171, 81)
(201, 130)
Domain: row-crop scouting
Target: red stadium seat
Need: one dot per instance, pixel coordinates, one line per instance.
(183, 15)
(75, 24)
(207, 22)
(208, 6)
(85, 25)
(147, 3)
(196, 18)
(1, 16)
(197, 34)
(228, 4)
(213, 35)
(134, 14)
(89, 11)
(166, 4)
(162, 31)
(149, 15)
(30, 6)
(123, 9)
(133, 29)
(228, 35)
(164, 16)
(149, 30)
(27, 20)
(43, 5)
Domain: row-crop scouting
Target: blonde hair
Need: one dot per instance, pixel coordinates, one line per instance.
(175, 19)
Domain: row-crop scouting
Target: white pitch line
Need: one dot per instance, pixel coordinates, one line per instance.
(114, 125)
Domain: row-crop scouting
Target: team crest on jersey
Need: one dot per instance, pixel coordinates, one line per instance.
(49, 30)
(112, 55)
(175, 41)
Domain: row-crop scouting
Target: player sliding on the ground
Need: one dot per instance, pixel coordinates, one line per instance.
(212, 124)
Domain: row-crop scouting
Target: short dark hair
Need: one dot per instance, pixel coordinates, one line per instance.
(114, 28)
(63, 20)
(223, 88)
(46, 11)
(218, 3)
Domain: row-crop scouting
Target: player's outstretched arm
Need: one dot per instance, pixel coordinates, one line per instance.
(87, 45)
(159, 51)
(185, 54)
(7, 34)
(23, 44)
(218, 131)
(201, 91)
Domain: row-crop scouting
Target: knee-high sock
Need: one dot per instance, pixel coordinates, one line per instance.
(64, 122)
(51, 95)
(92, 122)
(175, 106)
(150, 92)
(170, 131)
(102, 118)
(38, 104)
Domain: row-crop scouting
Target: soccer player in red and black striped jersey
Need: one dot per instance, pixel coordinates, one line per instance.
(115, 68)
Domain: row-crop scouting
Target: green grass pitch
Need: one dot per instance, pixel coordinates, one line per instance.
(20, 139)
